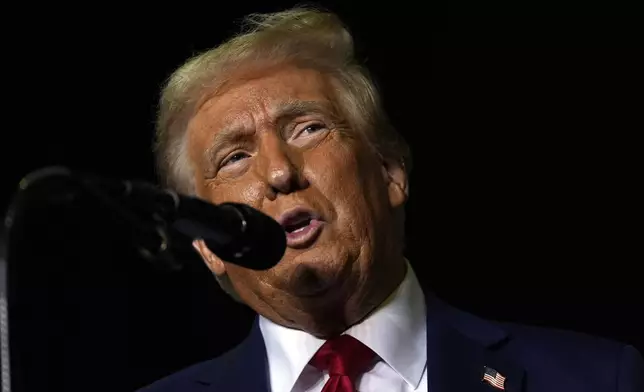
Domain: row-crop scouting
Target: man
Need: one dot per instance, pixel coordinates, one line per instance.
(283, 119)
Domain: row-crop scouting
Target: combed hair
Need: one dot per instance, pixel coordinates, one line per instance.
(305, 37)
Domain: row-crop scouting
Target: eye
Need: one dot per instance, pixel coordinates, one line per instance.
(234, 158)
(309, 129)
(313, 128)
(309, 133)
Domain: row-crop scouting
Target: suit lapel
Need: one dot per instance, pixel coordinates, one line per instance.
(460, 346)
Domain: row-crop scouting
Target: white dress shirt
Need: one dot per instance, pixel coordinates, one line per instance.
(396, 331)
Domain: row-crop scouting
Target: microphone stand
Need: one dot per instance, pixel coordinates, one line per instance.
(5, 373)
(151, 243)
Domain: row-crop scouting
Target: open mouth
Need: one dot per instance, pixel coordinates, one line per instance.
(298, 222)
(301, 226)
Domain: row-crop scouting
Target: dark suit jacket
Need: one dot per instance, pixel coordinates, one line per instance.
(459, 346)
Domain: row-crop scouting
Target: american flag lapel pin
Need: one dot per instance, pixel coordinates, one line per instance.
(493, 378)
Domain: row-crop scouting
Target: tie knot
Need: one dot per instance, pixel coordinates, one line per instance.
(343, 356)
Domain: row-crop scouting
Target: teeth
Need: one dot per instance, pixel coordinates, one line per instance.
(302, 225)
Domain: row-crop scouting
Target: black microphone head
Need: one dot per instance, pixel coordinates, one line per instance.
(261, 243)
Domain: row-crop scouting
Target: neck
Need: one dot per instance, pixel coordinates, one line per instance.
(337, 315)
(381, 290)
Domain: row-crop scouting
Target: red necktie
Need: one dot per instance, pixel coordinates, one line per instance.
(344, 358)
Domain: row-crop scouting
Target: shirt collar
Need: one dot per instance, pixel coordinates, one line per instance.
(396, 331)
(288, 351)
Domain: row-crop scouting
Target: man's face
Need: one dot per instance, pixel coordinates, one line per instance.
(276, 142)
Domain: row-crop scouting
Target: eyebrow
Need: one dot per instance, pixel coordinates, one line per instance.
(292, 109)
(284, 113)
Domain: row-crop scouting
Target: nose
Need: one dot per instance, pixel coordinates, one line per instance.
(280, 167)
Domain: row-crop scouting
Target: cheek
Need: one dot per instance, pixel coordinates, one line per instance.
(243, 279)
(242, 190)
(333, 172)
(359, 178)
(349, 184)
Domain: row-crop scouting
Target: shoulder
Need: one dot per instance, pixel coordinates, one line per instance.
(179, 381)
(556, 354)
(566, 344)
(554, 359)
(232, 368)
(194, 376)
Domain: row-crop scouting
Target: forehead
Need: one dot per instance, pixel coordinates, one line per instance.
(256, 96)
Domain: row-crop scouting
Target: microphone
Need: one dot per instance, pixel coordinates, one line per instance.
(158, 218)
(162, 218)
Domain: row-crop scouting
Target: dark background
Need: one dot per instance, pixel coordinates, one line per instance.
(524, 207)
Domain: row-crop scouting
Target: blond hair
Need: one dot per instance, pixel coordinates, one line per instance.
(302, 36)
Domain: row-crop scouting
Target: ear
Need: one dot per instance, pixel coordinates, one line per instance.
(213, 262)
(396, 180)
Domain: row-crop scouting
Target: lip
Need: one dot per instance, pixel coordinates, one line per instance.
(304, 237)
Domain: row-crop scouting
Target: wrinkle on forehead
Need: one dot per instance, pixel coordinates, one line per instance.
(249, 75)
(253, 102)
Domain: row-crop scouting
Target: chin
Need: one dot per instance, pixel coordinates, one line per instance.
(319, 275)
